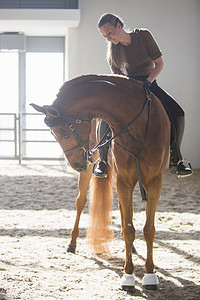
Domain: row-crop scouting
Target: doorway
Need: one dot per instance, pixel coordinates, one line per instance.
(34, 76)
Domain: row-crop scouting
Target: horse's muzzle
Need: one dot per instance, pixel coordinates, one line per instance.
(80, 167)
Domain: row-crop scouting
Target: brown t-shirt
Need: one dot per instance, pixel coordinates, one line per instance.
(140, 54)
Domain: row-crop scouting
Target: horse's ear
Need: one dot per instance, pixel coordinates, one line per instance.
(51, 111)
(47, 110)
(39, 108)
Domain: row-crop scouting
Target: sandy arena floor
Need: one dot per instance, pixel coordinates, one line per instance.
(37, 213)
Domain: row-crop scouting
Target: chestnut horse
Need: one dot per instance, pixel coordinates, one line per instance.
(140, 148)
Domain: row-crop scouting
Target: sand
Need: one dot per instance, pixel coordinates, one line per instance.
(37, 213)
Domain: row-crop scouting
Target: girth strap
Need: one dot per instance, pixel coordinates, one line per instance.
(100, 144)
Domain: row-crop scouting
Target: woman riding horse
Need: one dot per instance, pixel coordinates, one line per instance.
(138, 56)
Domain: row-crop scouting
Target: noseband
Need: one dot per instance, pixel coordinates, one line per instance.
(65, 119)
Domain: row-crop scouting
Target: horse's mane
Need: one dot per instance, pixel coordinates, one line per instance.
(113, 79)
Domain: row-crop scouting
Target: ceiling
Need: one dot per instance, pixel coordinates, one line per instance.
(39, 22)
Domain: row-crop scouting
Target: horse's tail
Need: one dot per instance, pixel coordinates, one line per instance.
(99, 231)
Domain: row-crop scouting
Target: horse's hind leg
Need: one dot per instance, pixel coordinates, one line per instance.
(83, 184)
(153, 194)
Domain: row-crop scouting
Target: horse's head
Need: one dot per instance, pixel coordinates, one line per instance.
(72, 134)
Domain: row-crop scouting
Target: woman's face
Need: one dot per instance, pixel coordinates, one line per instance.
(111, 33)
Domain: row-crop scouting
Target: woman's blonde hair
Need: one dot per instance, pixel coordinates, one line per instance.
(116, 56)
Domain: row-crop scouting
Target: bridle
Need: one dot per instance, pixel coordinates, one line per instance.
(89, 153)
(63, 118)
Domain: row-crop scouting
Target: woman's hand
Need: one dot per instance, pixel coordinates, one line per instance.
(159, 64)
(146, 84)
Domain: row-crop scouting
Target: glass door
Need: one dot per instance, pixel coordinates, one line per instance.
(44, 77)
(34, 76)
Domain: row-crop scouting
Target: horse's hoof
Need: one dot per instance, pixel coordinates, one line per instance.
(71, 248)
(150, 282)
(128, 283)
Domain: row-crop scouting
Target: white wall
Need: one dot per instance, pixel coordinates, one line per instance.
(175, 25)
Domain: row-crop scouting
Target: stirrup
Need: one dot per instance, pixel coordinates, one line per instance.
(101, 170)
(182, 170)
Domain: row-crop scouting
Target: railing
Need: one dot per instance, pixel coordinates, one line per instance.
(24, 137)
(5, 129)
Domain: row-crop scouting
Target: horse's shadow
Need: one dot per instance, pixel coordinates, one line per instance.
(166, 286)
(114, 264)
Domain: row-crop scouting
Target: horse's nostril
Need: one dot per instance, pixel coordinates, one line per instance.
(81, 170)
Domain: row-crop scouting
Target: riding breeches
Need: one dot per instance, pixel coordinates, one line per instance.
(172, 108)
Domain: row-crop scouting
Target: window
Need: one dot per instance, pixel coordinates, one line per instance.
(44, 77)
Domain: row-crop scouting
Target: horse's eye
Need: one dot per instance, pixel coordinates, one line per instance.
(66, 137)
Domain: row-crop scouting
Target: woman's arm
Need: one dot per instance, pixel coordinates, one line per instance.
(159, 64)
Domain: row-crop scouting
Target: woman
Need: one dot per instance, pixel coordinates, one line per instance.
(137, 55)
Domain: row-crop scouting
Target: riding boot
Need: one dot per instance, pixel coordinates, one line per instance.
(102, 166)
(176, 164)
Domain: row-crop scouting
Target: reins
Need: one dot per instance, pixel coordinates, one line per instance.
(147, 103)
(89, 153)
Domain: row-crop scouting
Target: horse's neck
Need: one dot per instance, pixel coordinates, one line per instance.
(105, 100)
(111, 98)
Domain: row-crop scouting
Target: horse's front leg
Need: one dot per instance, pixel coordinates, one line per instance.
(154, 188)
(83, 184)
(128, 231)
